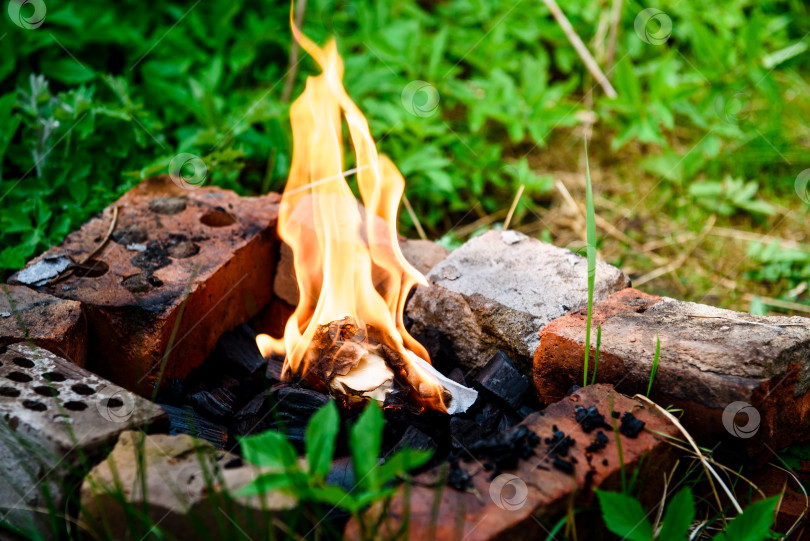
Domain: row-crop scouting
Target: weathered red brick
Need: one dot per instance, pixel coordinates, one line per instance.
(792, 511)
(436, 512)
(207, 254)
(57, 325)
(710, 359)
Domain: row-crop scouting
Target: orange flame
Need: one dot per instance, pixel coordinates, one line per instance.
(347, 259)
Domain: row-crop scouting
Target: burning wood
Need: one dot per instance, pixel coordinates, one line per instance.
(347, 334)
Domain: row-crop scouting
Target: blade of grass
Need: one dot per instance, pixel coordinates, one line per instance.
(618, 443)
(591, 254)
(596, 357)
(655, 362)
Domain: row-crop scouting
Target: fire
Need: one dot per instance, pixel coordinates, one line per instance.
(352, 277)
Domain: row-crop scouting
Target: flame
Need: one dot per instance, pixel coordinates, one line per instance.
(347, 258)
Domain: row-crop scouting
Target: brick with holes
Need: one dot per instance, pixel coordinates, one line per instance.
(181, 267)
(57, 420)
(741, 380)
(57, 325)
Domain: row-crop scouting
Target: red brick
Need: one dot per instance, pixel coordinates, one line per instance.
(211, 243)
(792, 508)
(710, 358)
(57, 325)
(474, 515)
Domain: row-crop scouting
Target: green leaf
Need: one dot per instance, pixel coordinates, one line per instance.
(402, 462)
(754, 524)
(332, 495)
(322, 431)
(269, 449)
(678, 517)
(366, 440)
(68, 71)
(624, 516)
(265, 483)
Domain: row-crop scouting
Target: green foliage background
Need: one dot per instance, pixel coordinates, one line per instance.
(104, 94)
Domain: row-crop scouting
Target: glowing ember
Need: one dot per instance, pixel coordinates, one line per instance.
(347, 334)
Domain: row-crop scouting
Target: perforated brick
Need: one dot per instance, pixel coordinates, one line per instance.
(57, 419)
(181, 268)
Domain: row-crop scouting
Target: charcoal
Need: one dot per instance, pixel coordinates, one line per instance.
(217, 404)
(598, 444)
(507, 420)
(239, 347)
(173, 394)
(457, 375)
(413, 438)
(254, 417)
(503, 451)
(501, 378)
(464, 432)
(274, 365)
(631, 426)
(342, 474)
(187, 421)
(457, 477)
(559, 443)
(590, 419)
(525, 411)
(440, 349)
(293, 408)
(563, 465)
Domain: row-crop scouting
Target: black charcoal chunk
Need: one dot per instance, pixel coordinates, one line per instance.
(341, 474)
(274, 366)
(590, 419)
(631, 426)
(598, 443)
(413, 438)
(501, 377)
(239, 347)
(503, 451)
(457, 477)
(559, 443)
(563, 465)
(187, 421)
(457, 375)
(217, 404)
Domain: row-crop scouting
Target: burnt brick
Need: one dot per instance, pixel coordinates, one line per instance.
(186, 281)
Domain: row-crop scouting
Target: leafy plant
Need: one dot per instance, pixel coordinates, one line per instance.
(281, 469)
(730, 196)
(625, 517)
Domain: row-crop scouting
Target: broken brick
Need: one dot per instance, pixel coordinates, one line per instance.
(498, 290)
(491, 511)
(713, 364)
(57, 325)
(175, 275)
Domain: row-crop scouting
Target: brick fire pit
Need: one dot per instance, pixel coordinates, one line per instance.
(183, 280)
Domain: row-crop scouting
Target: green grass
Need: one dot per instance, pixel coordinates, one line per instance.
(591, 256)
(654, 368)
(707, 121)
